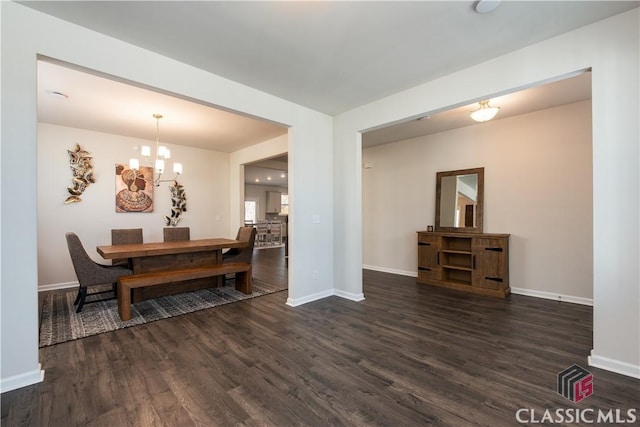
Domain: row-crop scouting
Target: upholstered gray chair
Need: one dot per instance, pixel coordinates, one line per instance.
(90, 273)
(125, 236)
(176, 234)
(245, 234)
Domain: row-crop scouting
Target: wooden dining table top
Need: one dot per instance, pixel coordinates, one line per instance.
(137, 250)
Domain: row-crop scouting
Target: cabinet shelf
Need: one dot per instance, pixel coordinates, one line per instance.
(457, 267)
(456, 251)
(459, 282)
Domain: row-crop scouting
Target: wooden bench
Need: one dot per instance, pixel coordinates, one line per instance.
(242, 271)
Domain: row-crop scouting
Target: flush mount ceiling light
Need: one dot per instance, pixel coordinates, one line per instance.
(486, 6)
(485, 112)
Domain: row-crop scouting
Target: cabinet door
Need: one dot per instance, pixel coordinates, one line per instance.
(490, 263)
(429, 257)
(273, 201)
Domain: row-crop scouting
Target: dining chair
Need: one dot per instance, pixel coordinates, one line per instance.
(245, 254)
(262, 228)
(125, 236)
(90, 273)
(176, 234)
(275, 232)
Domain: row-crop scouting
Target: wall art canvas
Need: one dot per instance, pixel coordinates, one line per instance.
(134, 189)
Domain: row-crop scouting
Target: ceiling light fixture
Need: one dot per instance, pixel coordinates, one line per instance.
(485, 112)
(162, 154)
(486, 6)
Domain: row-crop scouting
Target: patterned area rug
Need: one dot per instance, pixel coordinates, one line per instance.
(61, 323)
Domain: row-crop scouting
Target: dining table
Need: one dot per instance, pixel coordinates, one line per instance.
(168, 256)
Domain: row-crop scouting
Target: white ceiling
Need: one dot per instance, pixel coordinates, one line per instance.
(105, 105)
(331, 56)
(328, 56)
(270, 172)
(569, 89)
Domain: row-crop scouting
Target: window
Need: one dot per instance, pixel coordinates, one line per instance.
(250, 211)
(284, 204)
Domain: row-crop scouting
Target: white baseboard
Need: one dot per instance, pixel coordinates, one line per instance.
(552, 296)
(309, 298)
(22, 380)
(55, 286)
(391, 270)
(320, 295)
(348, 295)
(622, 368)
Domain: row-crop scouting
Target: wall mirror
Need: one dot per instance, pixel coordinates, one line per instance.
(460, 200)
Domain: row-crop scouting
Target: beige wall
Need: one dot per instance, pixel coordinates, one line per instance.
(538, 188)
(205, 178)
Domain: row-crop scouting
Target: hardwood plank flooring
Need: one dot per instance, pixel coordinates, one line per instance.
(408, 355)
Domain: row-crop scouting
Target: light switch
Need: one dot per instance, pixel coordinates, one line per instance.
(316, 219)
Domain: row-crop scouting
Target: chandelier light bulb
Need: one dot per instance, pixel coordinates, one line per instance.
(162, 150)
(159, 165)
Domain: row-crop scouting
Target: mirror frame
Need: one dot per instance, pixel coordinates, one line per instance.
(479, 204)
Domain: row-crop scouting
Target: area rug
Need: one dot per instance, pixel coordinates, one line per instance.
(60, 322)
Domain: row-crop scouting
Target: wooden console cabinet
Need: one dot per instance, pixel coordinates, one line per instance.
(475, 262)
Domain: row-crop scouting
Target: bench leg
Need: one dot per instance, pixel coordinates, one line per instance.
(124, 301)
(243, 281)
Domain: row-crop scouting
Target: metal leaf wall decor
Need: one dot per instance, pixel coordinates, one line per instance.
(82, 169)
(178, 204)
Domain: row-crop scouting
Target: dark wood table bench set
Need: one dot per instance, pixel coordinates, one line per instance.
(166, 268)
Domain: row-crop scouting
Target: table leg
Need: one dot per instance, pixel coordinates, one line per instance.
(124, 302)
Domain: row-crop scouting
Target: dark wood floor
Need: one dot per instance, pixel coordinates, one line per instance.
(408, 355)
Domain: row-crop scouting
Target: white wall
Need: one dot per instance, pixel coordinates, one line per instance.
(25, 35)
(611, 48)
(538, 188)
(205, 179)
(311, 165)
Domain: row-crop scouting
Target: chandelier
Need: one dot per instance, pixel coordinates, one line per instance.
(162, 154)
(485, 112)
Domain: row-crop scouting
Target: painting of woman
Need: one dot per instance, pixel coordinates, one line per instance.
(134, 189)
